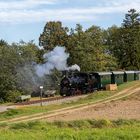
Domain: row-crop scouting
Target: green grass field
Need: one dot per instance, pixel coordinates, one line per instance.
(91, 98)
(75, 130)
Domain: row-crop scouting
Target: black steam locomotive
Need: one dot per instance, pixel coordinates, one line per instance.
(77, 83)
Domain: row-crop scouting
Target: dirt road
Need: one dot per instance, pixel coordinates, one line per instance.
(5, 108)
(115, 109)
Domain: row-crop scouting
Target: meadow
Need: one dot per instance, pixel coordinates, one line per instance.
(74, 130)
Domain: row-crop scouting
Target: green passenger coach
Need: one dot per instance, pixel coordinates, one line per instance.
(117, 77)
(103, 78)
(137, 75)
(129, 76)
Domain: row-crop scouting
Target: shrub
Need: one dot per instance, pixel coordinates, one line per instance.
(11, 96)
(37, 125)
(19, 126)
(33, 125)
(1, 100)
(11, 112)
(124, 122)
(2, 125)
(100, 123)
(79, 124)
(60, 124)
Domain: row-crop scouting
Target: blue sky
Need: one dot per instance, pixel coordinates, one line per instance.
(25, 19)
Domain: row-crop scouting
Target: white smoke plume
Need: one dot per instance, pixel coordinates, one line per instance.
(57, 58)
(74, 67)
(26, 78)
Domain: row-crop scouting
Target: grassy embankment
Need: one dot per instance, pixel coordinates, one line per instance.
(91, 98)
(75, 130)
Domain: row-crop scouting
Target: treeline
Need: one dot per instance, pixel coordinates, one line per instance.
(93, 49)
(97, 49)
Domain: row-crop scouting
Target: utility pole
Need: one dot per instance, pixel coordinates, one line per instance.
(41, 92)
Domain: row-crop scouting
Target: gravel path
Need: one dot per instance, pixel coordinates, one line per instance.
(129, 109)
(5, 108)
(115, 110)
(60, 101)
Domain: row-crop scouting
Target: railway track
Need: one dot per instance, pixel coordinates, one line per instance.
(47, 100)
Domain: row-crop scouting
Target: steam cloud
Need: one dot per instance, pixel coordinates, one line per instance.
(57, 58)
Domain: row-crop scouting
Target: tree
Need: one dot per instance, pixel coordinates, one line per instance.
(26, 77)
(7, 66)
(124, 42)
(54, 34)
(16, 68)
(3, 43)
(132, 19)
(27, 52)
(87, 49)
(131, 37)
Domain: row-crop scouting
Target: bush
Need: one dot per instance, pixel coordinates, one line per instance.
(3, 125)
(1, 101)
(60, 124)
(11, 96)
(11, 112)
(33, 125)
(37, 125)
(80, 124)
(19, 126)
(100, 123)
(125, 122)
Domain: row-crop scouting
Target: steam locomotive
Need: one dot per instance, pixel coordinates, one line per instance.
(77, 83)
(81, 83)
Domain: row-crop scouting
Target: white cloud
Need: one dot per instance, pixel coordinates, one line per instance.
(27, 10)
(23, 4)
(44, 15)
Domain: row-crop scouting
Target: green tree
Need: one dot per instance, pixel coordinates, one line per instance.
(131, 29)
(125, 41)
(26, 77)
(7, 66)
(87, 49)
(131, 19)
(3, 43)
(15, 75)
(54, 34)
(27, 52)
